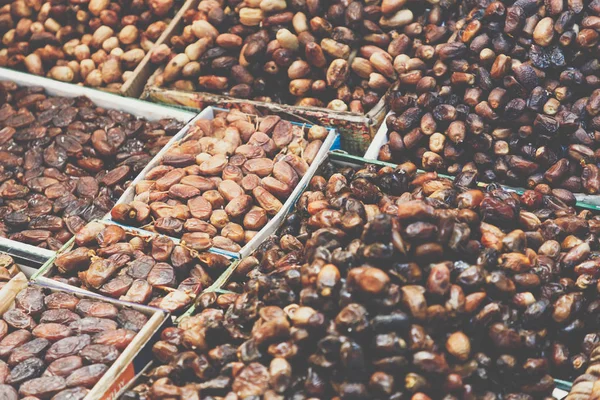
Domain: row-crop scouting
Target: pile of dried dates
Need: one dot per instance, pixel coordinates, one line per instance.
(56, 345)
(64, 161)
(97, 43)
(335, 54)
(515, 96)
(140, 269)
(222, 183)
(387, 284)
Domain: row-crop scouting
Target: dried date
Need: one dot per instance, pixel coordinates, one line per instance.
(66, 348)
(99, 353)
(86, 376)
(29, 369)
(64, 366)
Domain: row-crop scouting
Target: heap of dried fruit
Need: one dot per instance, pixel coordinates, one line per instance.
(516, 97)
(97, 43)
(123, 265)
(334, 54)
(57, 345)
(387, 284)
(222, 183)
(64, 161)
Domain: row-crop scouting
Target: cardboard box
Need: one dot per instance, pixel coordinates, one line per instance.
(356, 130)
(274, 222)
(590, 202)
(131, 361)
(134, 86)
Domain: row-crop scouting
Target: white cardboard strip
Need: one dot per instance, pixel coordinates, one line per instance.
(101, 98)
(379, 140)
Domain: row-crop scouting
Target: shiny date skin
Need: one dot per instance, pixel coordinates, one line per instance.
(120, 264)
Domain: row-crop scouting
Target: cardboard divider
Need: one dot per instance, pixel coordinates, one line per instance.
(101, 98)
(590, 202)
(130, 362)
(273, 223)
(139, 108)
(20, 265)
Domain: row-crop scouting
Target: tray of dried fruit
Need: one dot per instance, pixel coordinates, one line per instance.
(226, 182)
(133, 266)
(67, 344)
(66, 155)
(404, 276)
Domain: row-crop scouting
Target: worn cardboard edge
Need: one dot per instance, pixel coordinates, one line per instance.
(559, 394)
(270, 227)
(24, 266)
(125, 359)
(25, 251)
(10, 290)
(379, 140)
(136, 345)
(590, 202)
(152, 90)
(355, 132)
(370, 120)
(138, 375)
(129, 193)
(279, 218)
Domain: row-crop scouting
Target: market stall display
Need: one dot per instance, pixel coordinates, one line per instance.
(458, 260)
(134, 267)
(384, 282)
(514, 98)
(225, 181)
